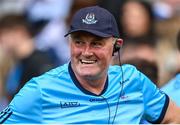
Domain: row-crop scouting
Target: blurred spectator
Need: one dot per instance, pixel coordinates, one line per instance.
(166, 48)
(48, 19)
(5, 64)
(51, 39)
(12, 6)
(139, 50)
(165, 9)
(18, 44)
(48, 9)
(137, 20)
(172, 88)
(138, 30)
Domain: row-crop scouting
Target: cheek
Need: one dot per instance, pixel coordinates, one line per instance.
(75, 51)
(106, 54)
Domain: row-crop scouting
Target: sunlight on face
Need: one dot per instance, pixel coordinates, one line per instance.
(90, 55)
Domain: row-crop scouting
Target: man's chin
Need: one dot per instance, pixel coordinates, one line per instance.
(90, 76)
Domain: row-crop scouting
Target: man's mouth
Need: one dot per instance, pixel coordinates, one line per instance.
(88, 61)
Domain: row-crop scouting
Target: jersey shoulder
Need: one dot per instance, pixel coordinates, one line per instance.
(127, 70)
(56, 73)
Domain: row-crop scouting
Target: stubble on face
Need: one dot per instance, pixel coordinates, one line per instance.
(91, 60)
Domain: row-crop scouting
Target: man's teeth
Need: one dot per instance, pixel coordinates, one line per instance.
(88, 61)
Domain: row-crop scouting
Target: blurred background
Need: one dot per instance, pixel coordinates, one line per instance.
(32, 38)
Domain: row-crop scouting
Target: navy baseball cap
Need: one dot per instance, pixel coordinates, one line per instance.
(95, 20)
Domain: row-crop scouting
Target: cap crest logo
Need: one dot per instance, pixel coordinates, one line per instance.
(90, 19)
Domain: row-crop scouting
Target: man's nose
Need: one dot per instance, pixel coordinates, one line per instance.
(87, 50)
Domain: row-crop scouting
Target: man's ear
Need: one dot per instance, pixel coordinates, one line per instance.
(117, 45)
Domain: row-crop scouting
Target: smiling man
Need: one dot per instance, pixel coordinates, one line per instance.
(90, 58)
(88, 90)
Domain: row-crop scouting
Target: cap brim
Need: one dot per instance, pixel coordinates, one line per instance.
(94, 32)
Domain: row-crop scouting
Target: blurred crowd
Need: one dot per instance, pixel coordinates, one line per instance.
(32, 38)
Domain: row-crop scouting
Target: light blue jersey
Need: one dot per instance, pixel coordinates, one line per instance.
(58, 97)
(172, 88)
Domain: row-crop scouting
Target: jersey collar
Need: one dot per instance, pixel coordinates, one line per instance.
(77, 83)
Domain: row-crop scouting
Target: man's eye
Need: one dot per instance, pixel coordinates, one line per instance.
(97, 44)
(78, 42)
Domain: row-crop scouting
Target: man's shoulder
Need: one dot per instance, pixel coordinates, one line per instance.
(51, 80)
(126, 68)
(126, 72)
(172, 85)
(56, 73)
(58, 70)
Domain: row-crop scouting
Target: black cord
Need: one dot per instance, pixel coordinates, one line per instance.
(108, 109)
(120, 94)
(122, 86)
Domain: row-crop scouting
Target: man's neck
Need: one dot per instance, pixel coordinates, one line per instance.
(94, 86)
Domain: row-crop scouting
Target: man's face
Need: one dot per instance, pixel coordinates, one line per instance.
(90, 55)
